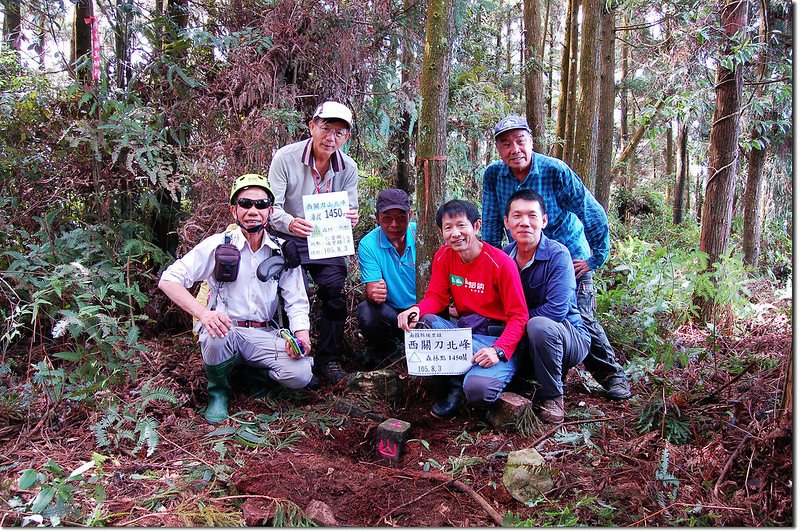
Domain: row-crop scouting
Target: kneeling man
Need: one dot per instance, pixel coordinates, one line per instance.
(556, 335)
(484, 285)
(237, 325)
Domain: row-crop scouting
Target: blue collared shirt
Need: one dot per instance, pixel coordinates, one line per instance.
(548, 281)
(378, 259)
(575, 218)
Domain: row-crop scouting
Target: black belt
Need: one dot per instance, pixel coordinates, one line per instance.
(249, 323)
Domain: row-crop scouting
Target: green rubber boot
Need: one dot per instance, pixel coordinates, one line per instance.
(218, 390)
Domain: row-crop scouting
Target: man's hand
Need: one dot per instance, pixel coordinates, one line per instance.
(304, 338)
(405, 321)
(376, 292)
(581, 266)
(486, 357)
(300, 227)
(352, 215)
(215, 323)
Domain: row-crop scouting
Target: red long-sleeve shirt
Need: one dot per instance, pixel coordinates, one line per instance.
(488, 286)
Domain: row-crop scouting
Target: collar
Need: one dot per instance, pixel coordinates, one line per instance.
(240, 241)
(337, 161)
(383, 240)
(533, 170)
(543, 252)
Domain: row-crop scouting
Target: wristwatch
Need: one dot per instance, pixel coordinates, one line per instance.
(500, 354)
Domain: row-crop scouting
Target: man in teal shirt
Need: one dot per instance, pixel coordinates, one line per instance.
(387, 259)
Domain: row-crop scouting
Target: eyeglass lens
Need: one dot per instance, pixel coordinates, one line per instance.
(246, 203)
(338, 133)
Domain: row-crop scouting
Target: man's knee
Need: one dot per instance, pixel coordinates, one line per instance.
(482, 391)
(366, 315)
(216, 350)
(541, 330)
(430, 321)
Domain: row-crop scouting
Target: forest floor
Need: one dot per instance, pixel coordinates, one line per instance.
(705, 444)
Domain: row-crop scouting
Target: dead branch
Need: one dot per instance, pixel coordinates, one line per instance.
(709, 397)
(448, 481)
(729, 463)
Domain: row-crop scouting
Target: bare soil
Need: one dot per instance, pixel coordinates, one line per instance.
(733, 467)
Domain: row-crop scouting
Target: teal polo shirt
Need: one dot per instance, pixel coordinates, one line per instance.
(378, 259)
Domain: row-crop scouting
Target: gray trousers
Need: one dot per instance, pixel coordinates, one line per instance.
(601, 361)
(257, 347)
(554, 348)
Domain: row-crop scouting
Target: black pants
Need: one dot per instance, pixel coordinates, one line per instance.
(601, 361)
(378, 325)
(329, 279)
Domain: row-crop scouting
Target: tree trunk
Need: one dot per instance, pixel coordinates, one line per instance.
(669, 160)
(82, 41)
(403, 135)
(623, 99)
(122, 42)
(640, 131)
(563, 94)
(583, 158)
(432, 141)
(723, 152)
(572, 100)
(177, 22)
(533, 74)
(12, 27)
(605, 120)
(158, 30)
(551, 62)
(753, 189)
(682, 180)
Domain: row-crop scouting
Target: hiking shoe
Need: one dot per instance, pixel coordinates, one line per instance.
(447, 407)
(618, 390)
(333, 372)
(552, 410)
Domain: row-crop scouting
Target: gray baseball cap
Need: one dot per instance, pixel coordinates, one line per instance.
(510, 122)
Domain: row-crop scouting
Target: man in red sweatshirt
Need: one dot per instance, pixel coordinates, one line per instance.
(484, 284)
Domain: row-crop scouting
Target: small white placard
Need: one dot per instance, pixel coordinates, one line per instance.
(333, 232)
(438, 351)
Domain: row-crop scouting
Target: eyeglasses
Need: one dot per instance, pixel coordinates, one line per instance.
(261, 204)
(340, 134)
(389, 219)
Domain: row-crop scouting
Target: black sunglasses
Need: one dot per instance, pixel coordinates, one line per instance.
(261, 204)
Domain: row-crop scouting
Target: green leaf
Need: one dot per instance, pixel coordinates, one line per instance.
(72, 356)
(42, 500)
(225, 431)
(28, 479)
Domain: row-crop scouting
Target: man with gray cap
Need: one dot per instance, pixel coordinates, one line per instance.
(317, 166)
(387, 256)
(576, 220)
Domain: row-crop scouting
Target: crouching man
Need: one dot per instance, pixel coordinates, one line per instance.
(557, 338)
(485, 287)
(237, 326)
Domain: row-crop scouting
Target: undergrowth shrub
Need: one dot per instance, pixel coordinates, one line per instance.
(647, 289)
(76, 289)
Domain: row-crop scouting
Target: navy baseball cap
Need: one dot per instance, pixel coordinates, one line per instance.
(510, 122)
(393, 198)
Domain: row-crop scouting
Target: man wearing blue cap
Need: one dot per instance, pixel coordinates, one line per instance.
(576, 220)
